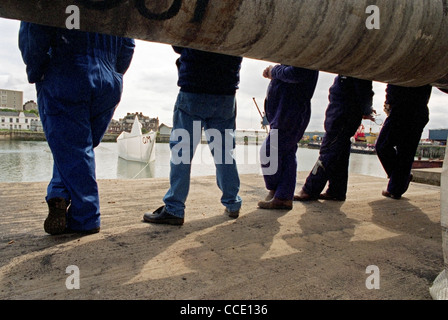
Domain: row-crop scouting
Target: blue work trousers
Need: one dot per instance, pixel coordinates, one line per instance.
(74, 120)
(283, 180)
(216, 115)
(341, 122)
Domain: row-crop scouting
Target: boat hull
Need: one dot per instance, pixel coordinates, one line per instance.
(137, 148)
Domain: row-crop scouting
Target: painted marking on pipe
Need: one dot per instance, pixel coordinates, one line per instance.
(140, 5)
(373, 21)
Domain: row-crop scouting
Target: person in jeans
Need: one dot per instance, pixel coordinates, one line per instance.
(208, 84)
(288, 110)
(79, 82)
(351, 100)
(408, 114)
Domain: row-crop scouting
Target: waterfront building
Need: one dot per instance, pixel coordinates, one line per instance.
(11, 99)
(114, 127)
(19, 120)
(126, 122)
(439, 135)
(165, 130)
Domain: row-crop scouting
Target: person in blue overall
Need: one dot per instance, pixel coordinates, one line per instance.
(350, 100)
(79, 81)
(288, 110)
(397, 144)
(208, 84)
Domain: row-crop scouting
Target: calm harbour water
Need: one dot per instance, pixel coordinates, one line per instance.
(31, 161)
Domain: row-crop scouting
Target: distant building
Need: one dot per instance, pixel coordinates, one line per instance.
(30, 105)
(19, 121)
(165, 130)
(152, 124)
(114, 127)
(36, 125)
(10, 99)
(439, 135)
(125, 123)
(164, 133)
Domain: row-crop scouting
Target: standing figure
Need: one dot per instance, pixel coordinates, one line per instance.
(288, 110)
(350, 100)
(79, 81)
(408, 114)
(208, 84)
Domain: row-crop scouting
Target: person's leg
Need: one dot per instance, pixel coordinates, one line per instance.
(338, 169)
(385, 147)
(407, 141)
(338, 180)
(67, 129)
(328, 153)
(105, 101)
(288, 176)
(283, 178)
(70, 141)
(183, 144)
(221, 125)
(56, 188)
(271, 179)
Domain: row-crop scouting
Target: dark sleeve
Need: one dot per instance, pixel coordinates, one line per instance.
(126, 54)
(178, 49)
(34, 44)
(292, 74)
(364, 93)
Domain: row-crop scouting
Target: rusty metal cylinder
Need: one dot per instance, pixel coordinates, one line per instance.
(403, 42)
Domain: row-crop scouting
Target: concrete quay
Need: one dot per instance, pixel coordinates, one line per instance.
(320, 250)
(427, 176)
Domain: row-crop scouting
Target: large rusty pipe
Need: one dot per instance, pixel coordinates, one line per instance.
(410, 48)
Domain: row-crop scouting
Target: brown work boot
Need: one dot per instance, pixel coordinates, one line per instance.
(387, 194)
(55, 223)
(303, 196)
(276, 203)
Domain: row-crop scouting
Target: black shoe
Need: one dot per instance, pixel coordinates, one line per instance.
(163, 217)
(233, 214)
(55, 223)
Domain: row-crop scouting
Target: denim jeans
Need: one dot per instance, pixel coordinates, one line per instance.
(216, 115)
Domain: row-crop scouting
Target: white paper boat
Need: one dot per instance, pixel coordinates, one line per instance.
(135, 146)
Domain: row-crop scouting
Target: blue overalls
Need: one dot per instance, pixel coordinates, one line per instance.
(349, 100)
(78, 78)
(288, 110)
(401, 133)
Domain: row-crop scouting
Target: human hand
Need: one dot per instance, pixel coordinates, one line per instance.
(267, 72)
(387, 109)
(371, 116)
